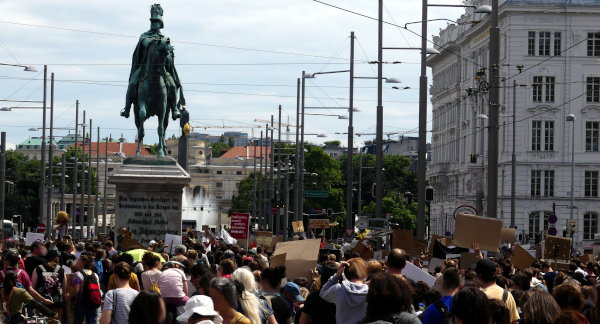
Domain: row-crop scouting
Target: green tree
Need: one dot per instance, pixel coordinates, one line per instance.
(323, 173)
(399, 212)
(25, 174)
(231, 141)
(332, 144)
(243, 200)
(219, 148)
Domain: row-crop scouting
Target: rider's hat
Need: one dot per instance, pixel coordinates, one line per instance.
(156, 13)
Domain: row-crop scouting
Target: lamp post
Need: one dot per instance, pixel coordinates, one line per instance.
(494, 104)
(50, 164)
(2, 177)
(82, 193)
(75, 169)
(571, 118)
(43, 150)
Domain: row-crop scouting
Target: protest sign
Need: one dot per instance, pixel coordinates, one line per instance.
(319, 223)
(301, 256)
(277, 260)
(402, 239)
(415, 273)
(33, 237)
(467, 259)
(239, 225)
(171, 241)
(471, 229)
(434, 263)
(298, 227)
(507, 235)
(446, 241)
(521, 259)
(557, 248)
(595, 251)
(362, 250)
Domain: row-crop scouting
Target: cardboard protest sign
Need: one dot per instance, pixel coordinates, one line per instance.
(363, 251)
(482, 230)
(467, 259)
(507, 235)
(521, 259)
(33, 237)
(171, 241)
(277, 260)
(301, 256)
(595, 250)
(434, 263)
(319, 223)
(415, 273)
(298, 227)
(402, 239)
(557, 248)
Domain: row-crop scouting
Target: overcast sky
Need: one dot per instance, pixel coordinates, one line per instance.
(237, 59)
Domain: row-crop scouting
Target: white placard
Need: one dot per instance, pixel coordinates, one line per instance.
(416, 274)
(32, 237)
(171, 241)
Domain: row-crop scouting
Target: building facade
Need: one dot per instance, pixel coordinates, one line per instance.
(549, 69)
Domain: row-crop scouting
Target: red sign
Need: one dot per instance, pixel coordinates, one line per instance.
(239, 225)
(41, 228)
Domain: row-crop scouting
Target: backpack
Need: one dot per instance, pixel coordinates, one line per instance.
(98, 269)
(50, 284)
(447, 317)
(90, 295)
(153, 285)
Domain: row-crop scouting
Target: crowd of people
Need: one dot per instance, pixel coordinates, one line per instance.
(92, 282)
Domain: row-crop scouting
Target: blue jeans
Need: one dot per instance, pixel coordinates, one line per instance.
(81, 313)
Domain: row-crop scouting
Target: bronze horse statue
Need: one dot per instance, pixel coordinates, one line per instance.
(152, 95)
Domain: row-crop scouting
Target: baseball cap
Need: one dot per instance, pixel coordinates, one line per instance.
(201, 305)
(152, 243)
(485, 267)
(293, 289)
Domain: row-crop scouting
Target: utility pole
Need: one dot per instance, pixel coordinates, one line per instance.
(75, 170)
(379, 126)
(261, 220)
(272, 181)
(254, 212)
(43, 155)
(90, 212)
(301, 165)
(82, 203)
(50, 164)
(63, 171)
(279, 173)
(349, 170)
(513, 162)
(96, 201)
(494, 104)
(2, 178)
(104, 205)
(422, 147)
(297, 157)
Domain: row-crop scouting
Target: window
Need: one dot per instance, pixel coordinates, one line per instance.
(544, 43)
(547, 140)
(238, 172)
(557, 47)
(591, 184)
(593, 89)
(200, 153)
(548, 183)
(593, 44)
(590, 225)
(219, 172)
(591, 136)
(219, 185)
(534, 222)
(531, 43)
(536, 183)
(543, 88)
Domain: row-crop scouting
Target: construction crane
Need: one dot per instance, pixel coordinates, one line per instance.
(276, 124)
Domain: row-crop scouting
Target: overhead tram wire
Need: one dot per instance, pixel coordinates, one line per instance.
(395, 25)
(172, 41)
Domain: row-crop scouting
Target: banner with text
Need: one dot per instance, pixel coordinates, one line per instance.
(239, 225)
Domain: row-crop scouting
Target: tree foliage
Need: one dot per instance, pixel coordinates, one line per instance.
(219, 148)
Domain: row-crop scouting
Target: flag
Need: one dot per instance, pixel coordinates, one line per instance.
(224, 235)
(443, 252)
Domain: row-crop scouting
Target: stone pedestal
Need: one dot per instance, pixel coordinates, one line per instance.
(148, 197)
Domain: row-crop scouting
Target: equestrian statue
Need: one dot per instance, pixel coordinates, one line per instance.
(154, 86)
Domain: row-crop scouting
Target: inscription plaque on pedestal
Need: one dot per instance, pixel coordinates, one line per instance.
(148, 198)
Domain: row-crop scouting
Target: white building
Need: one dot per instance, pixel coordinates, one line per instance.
(553, 48)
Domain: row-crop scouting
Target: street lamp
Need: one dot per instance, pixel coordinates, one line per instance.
(27, 68)
(571, 118)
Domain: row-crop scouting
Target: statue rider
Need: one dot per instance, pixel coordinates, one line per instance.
(139, 58)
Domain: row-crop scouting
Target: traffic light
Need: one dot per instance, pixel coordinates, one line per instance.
(429, 193)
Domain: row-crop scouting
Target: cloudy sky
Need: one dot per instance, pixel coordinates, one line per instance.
(237, 59)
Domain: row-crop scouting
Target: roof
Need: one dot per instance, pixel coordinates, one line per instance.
(113, 148)
(36, 141)
(246, 152)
